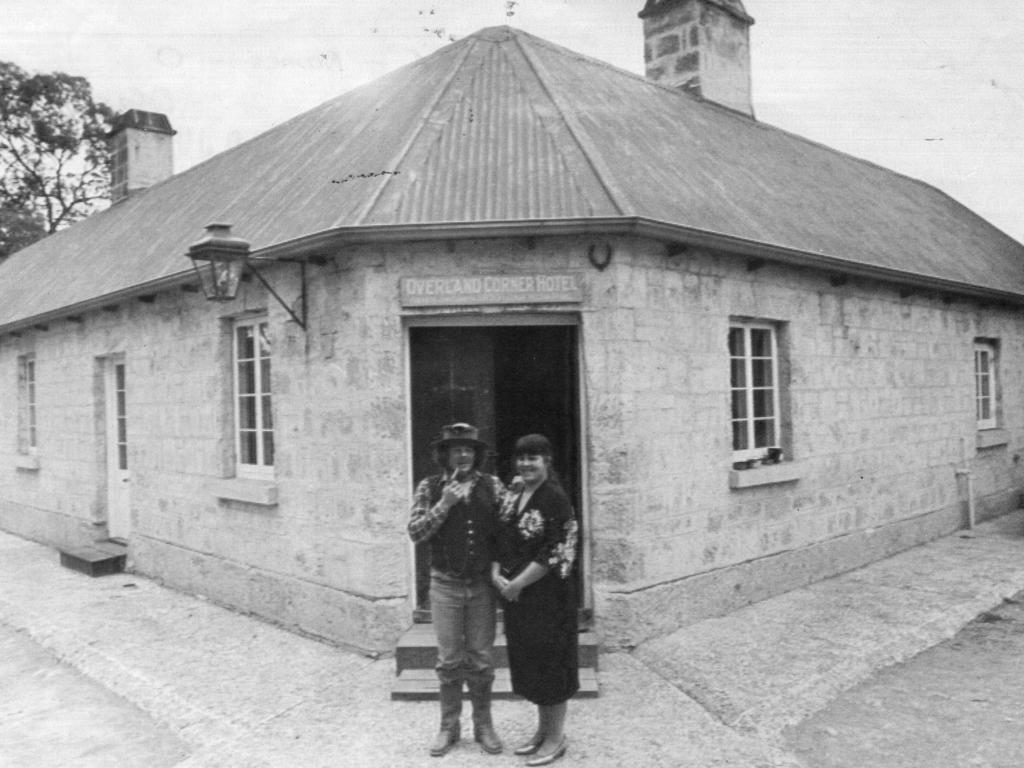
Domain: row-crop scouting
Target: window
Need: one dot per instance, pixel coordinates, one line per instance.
(254, 431)
(121, 415)
(26, 404)
(753, 360)
(985, 383)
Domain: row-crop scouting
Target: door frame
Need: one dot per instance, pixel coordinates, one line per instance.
(121, 528)
(506, 319)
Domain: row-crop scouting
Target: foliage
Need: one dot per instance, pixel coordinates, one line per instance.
(18, 228)
(53, 153)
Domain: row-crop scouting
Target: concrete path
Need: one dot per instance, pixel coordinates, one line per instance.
(51, 716)
(240, 692)
(772, 664)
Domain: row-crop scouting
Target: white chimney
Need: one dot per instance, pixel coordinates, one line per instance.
(702, 46)
(141, 152)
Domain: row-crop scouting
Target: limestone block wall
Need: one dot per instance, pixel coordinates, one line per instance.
(60, 496)
(327, 558)
(878, 408)
(878, 413)
(700, 47)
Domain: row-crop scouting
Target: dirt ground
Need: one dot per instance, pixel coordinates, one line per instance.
(958, 705)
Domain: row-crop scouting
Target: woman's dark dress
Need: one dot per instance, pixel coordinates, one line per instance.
(541, 626)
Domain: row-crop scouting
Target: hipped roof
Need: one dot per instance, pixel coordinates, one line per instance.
(503, 131)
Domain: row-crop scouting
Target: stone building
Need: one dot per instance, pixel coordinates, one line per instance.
(761, 361)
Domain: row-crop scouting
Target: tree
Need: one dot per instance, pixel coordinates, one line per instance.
(18, 228)
(54, 165)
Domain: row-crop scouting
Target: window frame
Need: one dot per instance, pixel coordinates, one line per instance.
(754, 452)
(28, 425)
(263, 401)
(986, 348)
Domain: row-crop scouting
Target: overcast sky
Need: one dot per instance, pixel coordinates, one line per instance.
(931, 88)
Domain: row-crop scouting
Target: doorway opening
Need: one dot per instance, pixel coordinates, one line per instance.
(508, 381)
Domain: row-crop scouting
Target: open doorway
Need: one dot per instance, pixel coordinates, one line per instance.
(508, 381)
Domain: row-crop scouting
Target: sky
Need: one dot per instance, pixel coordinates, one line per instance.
(933, 89)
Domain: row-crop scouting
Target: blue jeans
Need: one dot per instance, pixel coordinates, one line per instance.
(464, 619)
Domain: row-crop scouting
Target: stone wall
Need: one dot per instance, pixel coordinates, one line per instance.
(699, 46)
(878, 410)
(879, 413)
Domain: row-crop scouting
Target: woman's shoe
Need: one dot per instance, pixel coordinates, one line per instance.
(550, 757)
(531, 746)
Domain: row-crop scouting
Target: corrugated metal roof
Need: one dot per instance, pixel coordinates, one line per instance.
(505, 127)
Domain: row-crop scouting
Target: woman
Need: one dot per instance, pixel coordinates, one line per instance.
(536, 549)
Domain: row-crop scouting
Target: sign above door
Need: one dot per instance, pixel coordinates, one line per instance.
(463, 290)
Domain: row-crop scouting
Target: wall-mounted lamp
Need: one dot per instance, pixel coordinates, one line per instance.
(219, 259)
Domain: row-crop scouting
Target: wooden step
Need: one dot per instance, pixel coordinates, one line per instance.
(417, 649)
(101, 558)
(422, 685)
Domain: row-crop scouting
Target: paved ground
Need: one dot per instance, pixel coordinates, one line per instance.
(239, 692)
(957, 705)
(80, 723)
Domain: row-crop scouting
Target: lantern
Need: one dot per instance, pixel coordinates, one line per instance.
(218, 259)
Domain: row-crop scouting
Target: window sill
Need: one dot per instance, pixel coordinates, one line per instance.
(990, 438)
(766, 474)
(26, 462)
(260, 492)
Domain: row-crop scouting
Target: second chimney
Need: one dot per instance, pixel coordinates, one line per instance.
(702, 46)
(141, 152)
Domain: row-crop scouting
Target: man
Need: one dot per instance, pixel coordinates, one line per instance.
(456, 513)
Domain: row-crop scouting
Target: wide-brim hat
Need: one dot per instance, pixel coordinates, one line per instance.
(459, 433)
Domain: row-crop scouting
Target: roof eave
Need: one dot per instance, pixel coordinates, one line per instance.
(322, 243)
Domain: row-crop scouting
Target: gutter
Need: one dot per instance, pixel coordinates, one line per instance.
(317, 245)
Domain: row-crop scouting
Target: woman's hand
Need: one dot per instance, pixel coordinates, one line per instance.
(511, 590)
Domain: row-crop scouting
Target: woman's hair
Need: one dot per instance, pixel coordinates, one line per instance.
(532, 445)
(537, 445)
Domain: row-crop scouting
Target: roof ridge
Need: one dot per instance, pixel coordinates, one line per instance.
(553, 140)
(721, 109)
(864, 161)
(603, 175)
(500, 55)
(364, 212)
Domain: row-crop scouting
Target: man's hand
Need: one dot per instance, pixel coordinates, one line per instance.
(452, 493)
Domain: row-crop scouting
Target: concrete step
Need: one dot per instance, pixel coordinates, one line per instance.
(417, 649)
(101, 558)
(422, 685)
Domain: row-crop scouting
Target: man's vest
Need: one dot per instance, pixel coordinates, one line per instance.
(461, 547)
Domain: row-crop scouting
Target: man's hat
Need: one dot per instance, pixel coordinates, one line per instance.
(452, 434)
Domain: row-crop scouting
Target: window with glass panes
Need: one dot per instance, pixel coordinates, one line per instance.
(254, 429)
(985, 384)
(121, 415)
(754, 367)
(26, 404)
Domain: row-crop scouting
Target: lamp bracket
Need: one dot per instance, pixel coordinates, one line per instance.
(301, 321)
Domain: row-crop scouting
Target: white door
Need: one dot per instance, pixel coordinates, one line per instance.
(118, 475)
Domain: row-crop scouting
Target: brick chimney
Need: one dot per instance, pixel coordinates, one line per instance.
(701, 46)
(141, 152)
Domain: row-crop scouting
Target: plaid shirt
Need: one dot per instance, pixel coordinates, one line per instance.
(426, 519)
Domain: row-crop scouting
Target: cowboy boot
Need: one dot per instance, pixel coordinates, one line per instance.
(451, 710)
(483, 728)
